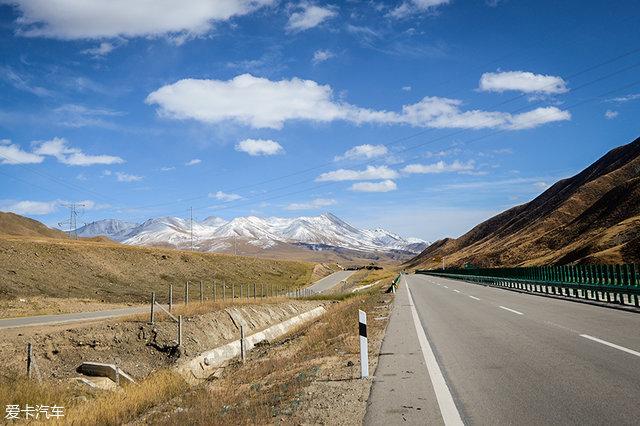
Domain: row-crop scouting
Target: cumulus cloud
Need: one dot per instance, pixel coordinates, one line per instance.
(30, 207)
(193, 162)
(410, 7)
(522, 81)
(439, 167)
(321, 56)
(263, 103)
(609, 114)
(94, 19)
(124, 177)
(626, 98)
(308, 16)
(223, 196)
(13, 154)
(363, 151)
(58, 148)
(382, 186)
(316, 203)
(370, 173)
(256, 147)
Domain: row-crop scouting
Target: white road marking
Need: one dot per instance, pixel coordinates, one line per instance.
(446, 286)
(474, 298)
(448, 408)
(613, 345)
(457, 291)
(511, 310)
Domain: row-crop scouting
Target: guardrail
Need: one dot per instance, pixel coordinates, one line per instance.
(605, 283)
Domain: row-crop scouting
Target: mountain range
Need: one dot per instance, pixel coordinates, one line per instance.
(591, 217)
(252, 235)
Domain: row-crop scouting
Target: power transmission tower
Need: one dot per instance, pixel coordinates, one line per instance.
(73, 219)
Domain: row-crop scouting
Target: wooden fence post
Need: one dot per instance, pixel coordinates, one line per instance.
(201, 293)
(29, 359)
(170, 297)
(179, 330)
(153, 302)
(242, 344)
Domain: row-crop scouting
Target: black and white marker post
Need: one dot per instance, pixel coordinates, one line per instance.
(364, 351)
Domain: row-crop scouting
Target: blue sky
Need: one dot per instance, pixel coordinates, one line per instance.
(420, 116)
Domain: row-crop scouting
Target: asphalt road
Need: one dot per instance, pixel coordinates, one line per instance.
(319, 286)
(69, 318)
(491, 356)
(330, 281)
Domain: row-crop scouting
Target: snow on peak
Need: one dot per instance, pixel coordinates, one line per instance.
(325, 229)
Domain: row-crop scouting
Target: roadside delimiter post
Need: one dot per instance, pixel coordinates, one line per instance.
(364, 350)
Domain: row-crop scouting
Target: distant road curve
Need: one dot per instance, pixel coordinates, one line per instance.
(330, 281)
(319, 286)
(69, 318)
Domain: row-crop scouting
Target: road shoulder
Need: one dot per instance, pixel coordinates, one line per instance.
(402, 390)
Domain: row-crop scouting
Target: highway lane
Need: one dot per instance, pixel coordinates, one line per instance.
(330, 281)
(512, 358)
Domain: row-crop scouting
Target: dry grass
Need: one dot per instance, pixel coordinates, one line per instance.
(270, 386)
(115, 408)
(114, 273)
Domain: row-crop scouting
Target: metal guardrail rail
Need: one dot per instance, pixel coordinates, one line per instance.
(605, 283)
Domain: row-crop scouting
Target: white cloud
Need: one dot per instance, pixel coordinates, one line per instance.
(94, 19)
(406, 88)
(22, 82)
(124, 177)
(363, 151)
(309, 16)
(609, 114)
(193, 162)
(58, 148)
(370, 173)
(382, 186)
(410, 7)
(626, 98)
(223, 196)
(322, 55)
(541, 185)
(13, 154)
(255, 147)
(316, 203)
(440, 167)
(76, 116)
(167, 168)
(100, 50)
(263, 103)
(522, 81)
(30, 207)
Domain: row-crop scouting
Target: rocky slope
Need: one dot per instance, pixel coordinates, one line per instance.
(593, 216)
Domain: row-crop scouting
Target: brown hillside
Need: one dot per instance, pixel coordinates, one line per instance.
(13, 224)
(593, 216)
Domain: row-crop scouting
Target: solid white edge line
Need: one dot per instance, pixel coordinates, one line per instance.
(448, 408)
(511, 310)
(613, 345)
(474, 298)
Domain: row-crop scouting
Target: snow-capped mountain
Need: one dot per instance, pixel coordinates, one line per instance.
(324, 232)
(112, 228)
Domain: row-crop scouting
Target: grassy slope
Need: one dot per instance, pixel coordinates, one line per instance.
(116, 273)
